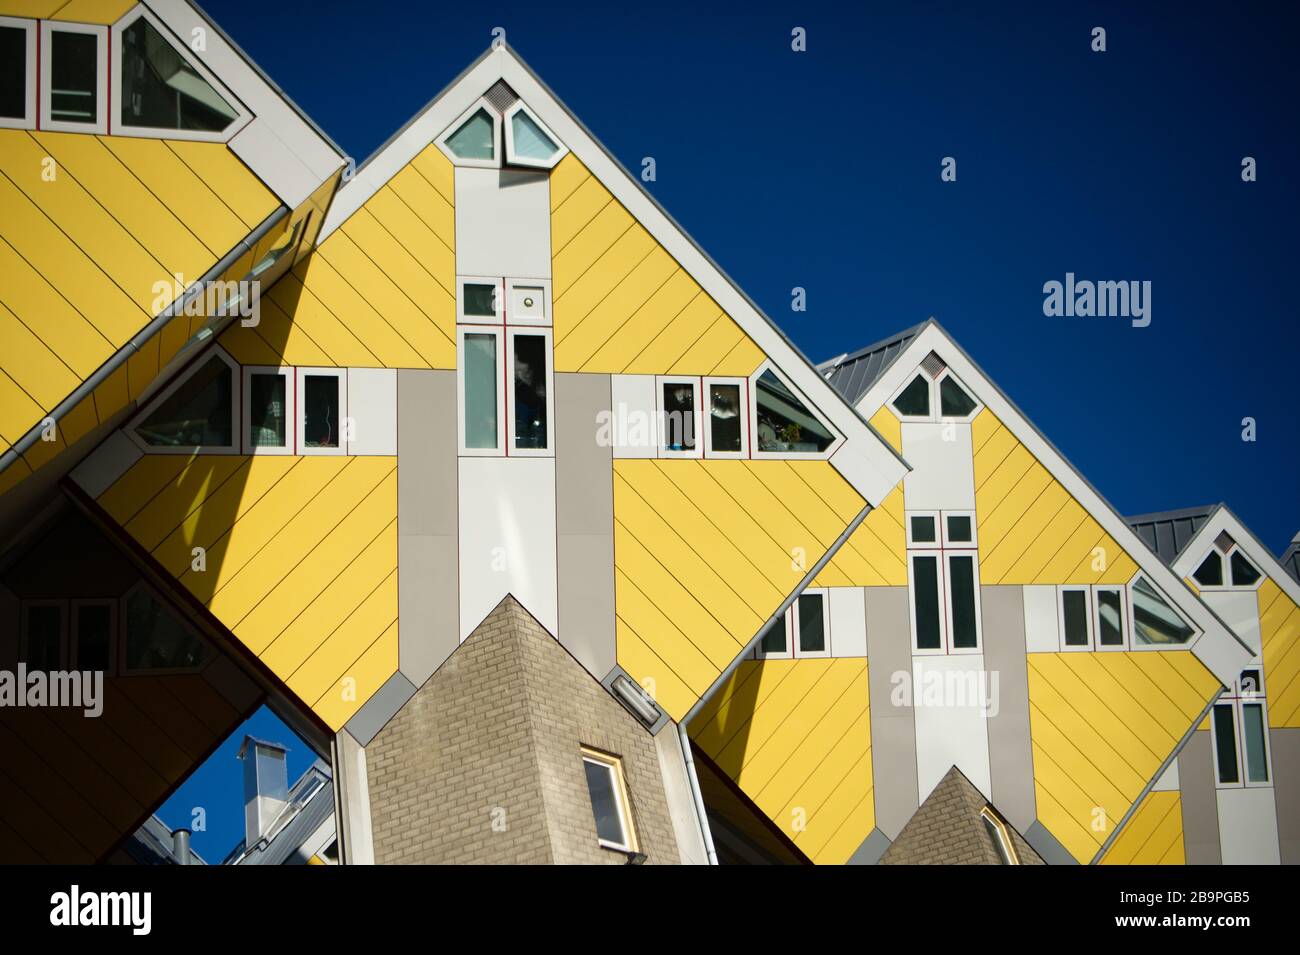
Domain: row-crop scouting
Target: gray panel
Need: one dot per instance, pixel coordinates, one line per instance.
(1200, 804)
(1045, 845)
(1011, 760)
(872, 848)
(1284, 746)
(893, 728)
(427, 549)
(584, 522)
(380, 708)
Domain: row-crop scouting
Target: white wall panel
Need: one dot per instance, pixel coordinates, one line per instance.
(633, 401)
(951, 729)
(1248, 826)
(943, 471)
(1041, 620)
(1239, 609)
(372, 406)
(503, 223)
(848, 622)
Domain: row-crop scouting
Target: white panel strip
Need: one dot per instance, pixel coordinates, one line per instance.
(372, 406)
(848, 621)
(949, 699)
(1042, 629)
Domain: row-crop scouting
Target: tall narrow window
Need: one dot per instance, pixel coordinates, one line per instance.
(530, 395)
(1110, 617)
(1253, 732)
(925, 599)
(726, 434)
(610, 805)
(74, 77)
(43, 633)
(1225, 743)
(782, 422)
(162, 89)
(92, 634)
(267, 402)
(197, 412)
(1074, 618)
(322, 410)
(677, 414)
(17, 73)
(481, 380)
(812, 624)
(962, 600)
(774, 641)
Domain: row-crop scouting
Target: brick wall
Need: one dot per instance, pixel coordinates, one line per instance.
(483, 764)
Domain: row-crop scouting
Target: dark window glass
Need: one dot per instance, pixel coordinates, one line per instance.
(812, 623)
(320, 423)
(530, 392)
(1225, 742)
(959, 529)
(925, 588)
(953, 400)
(922, 529)
(724, 417)
(161, 89)
(1250, 682)
(1243, 574)
(44, 637)
(679, 416)
(1252, 731)
(13, 72)
(266, 397)
(1074, 606)
(961, 572)
(480, 300)
(156, 640)
(74, 77)
(196, 414)
(915, 398)
(94, 636)
(774, 636)
(784, 422)
(1110, 618)
(604, 801)
(1154, 621)
(1210, 573)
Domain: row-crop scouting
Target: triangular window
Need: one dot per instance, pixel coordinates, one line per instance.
(528, 141)
(161, 89)
(914, 400)
(954, 402)
(1210, 573)
(475, 138)
(784, 422)
(1244, 573)
(1155, 623)
(198, 412)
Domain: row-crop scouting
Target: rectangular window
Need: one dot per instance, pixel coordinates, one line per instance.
(94, 625)
(925, 602)
(1110, 629)
(610, 805)
(44, 633)
(1076, 625)
(963, 602)
(725, 429)
(1253, 735)
(813, 636)
(679, 417)
(531, 401)
(73, 75)
(958, 528)
(481, 391)
(922, 528)
(776, 639)
(17, 73)
(1225, 743)
(268, 409)
(479, 300)
(322, 410)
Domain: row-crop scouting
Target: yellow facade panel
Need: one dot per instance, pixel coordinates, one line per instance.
(593, 344)
(566, 177)
(889, 427)
(1279, 625)
(671, 340)
(434, 166)
(1154, 836)
(227, 177)
(411, 232)
(580, 209)
(360, 681)
(712, 346)
(650, 671)
(90, 11)
(432, 207)
(36, 369)
(18, 412)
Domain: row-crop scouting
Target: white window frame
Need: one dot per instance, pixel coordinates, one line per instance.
(1135, 644)
(911, 377)
(497, 145)
(236, 407)
(788, 652)
(1238, 701)
(513, 284)
(28, 119)
(300, 417)
(837, 438)
(100, 125)
(290, 408)
(936, 411)
(936, 554)
(945, 569)
(912, 542)
(1089, 614)
(743, 384)
(25, 607)
(661, 416)
(1094, 621)
(73, 635)
(948, 542)
(499, 333)
(499, 318)
(794, 627)
(124, 637)
(622, 798)
(243, 118)
(1225, 560)
(508, 129)
(532, 331)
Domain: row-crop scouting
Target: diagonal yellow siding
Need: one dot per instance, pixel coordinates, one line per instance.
(378, 292)
(875, 555)
(704, 553)
(1279, 627)
(74, 11)
(795, 736)
(1154, 836)
(1031, 530)
(890, 427)
(622, 303)
(1102, 724)
(301, 559)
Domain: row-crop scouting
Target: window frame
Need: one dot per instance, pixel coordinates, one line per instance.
(511, 284)
(116, 62)
(837, 437)
(661, 416)
(507, 129)
(918, 371)
(1126, 610)
(498, 333)
(25, 606)
(795, 627)
(912, 542)
(935, 554)
(706, 420)
(290, 409)
(1225, 563)
(236, 408)
(1136, 645)
(101, 124)
(1089, 617)
(788, 652)
(28, 119)
(936, 408)
(73, 636)
(498, 147)
(936, 401)
(946, 569)
(463, 319)
(124, 636)
(947, 542)
(300, 411)
(622, 801)
(1239, 699)
(534, 331)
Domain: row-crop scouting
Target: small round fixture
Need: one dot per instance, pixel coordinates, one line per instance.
(528, 303)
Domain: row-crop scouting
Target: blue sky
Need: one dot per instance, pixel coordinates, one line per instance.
(821, 170)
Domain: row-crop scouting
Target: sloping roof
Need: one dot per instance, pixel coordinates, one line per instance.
(311, 805)
(1290, 558)
(852, 374)
(1168, 532)
(949, 829)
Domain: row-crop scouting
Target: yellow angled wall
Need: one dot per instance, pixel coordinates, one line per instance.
(102, 12)
(1154, 836)
(875, 555)
(1279, 628)
(622, 303)
(301, 560)
(795, 736)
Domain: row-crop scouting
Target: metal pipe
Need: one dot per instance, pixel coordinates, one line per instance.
(181, 846)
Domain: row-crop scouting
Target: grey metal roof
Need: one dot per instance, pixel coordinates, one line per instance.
(311, 804)
(1290, 558)
(153, 844)
(854, 373)
(1168, 532)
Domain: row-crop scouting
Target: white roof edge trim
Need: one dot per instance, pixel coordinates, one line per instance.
(869, 463)
(1221, 651)
(1223, 519)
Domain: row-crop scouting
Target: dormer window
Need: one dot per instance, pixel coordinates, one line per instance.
(1226, 567)
(500, 131)
(528, 141)
(475, 138)
(934, 393)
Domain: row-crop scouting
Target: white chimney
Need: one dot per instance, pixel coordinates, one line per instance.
(266, 786)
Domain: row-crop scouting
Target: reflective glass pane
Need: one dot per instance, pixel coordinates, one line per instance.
(480, 300)
(925, 591)
(1154, 621)
(915, 398)
(320, 418)
(529, 140)
(1225, 742)
(812, 623)
(74, 77)
(724, 417)
(603, 788)
(161, 89)
(953, 400)
(530, 392)
(266, 410)
(13, 72)
(959, 529)
(156, 640)
(923, 531)
(961, 573)
(774, 637)
(1243, 573)
(1210, 573)
(784, 422)
(1110, 618)
(678, 416)
(197, 414)
(1074, 611)
(1252, 731)
(481, 391)
(474, 138)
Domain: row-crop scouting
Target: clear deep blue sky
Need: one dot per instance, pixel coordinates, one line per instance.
(821, 170)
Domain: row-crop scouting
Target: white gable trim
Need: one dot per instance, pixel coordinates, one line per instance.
(1220, 520)
(1222, 652)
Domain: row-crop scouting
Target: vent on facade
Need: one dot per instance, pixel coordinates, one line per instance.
(1224, 542)
(636, 700)
(933, 365)
(501, 96)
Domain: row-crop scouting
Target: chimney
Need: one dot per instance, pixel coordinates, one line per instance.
(181, 846)
(266, 786)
